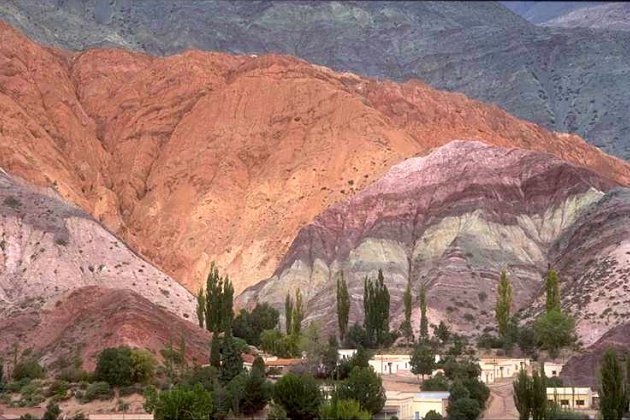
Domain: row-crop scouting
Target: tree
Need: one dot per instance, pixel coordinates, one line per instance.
(366, 387)
(257, 391)
(424, 322)
(405, 327)
(552, 289)
(527, 341)
(298, 395)
(331, 355)
(613, 393)
(288, 313)
(179, 403)
(201, 308)
(435, 383)
(231, 360)
(478, 390)
(227, 304)
(219, 300)
(52, 412)
(463, 409)
(422, 360)
(539, 396)
(215, 351)
(143, 365)
(343, 306)
(504, 303)
(298, 314)
(376, 310)
(249, 326)
(356, 337)
(338, 409)
(433, 415)
(27, 368)
(523, 395)
(442, 332)
(259, 367)
(115, 366)
(555, 330)
(458, 391)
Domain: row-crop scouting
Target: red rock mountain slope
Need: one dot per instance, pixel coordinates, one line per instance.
(201, 156)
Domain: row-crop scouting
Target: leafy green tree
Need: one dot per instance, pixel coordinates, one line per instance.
(298, 314)
(422, 360)
(442, 332)
(179, 403)
(555, 330)
(613, 392)
(53, 412)
(527, 341)
(215, 351)
(523, 394)
(27, 368)
(478, 390)
(504, 303)
(115, 366)
(552, 289)
(357, 337)
(249, 326)
(405, 327)
(343, 306)
(463, 409)
(288, 313)
(424, 322)
(337, 409)
(257, 391)
(142, 365)
(201, 308)
(366, 387)
(458, 391)
(539, 396)
(461, 369)
(298, 395)
(433, 415)
(435, 383)
(219, 300)
(227, 305)
(331, 355)
(376, 310)
(258, 367)
(236, 392)
(231, 360)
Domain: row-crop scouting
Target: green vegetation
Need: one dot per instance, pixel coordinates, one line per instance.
(504, 304)
(405, 326)
(555, 330)
(424, 322)
(422, 360)
(28, 368)
(250, 325)
(201, 308)
(179, 403)
(98, 391)
(614, 389)
(343, 306)
(288, 313)
(552, 289)
(299, 396)
(366, 387)
(376, 310)
(337, 409)
(123, 366)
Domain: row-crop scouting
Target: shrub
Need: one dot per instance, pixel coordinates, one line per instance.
(125, 391)
(98, 391)
(344, 409)
(436, 383)
(298, 395)
(366, 387)
(463, 409)
(123, 366)
(52, 412)
(179, 403)
(73, 374)
(28, 369)
(433, 415)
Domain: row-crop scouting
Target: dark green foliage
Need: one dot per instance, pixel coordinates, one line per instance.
(297, 315)
(98, 391)
(231, 360)
(523, 395)
(442, 332)
(52, 412)
(458, 391)
(376, 310)
(337, 409)
(555, 330)
(478, 390)
(249, 326)
(219, 300)
(527, 340)
(461, 369)
(179, 403)
(463, 409)
(552, 289)
(343, 306)
(357, 337)
(206, 376)
(360, 359)
(422, 360)
(28, 368)
(330, 355)
(299, 396)
(258, 367)
(236, 390)
(288, 313)
(433, 415)
(613, 390)
(405, 327)
(123, 366)
(257, 391)
(539, 396)
(436, 383)
(201, 308)
(424, 322)
(278, 344)
(366, 387)
(504, 303)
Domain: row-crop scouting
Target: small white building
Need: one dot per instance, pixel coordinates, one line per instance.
(552, 369)
(574, 398)
(345, 354)
(407, 405)
(391, 364)
(496, 368)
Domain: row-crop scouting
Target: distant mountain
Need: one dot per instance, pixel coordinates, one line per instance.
(454, 231)
(542, 11)
(571, 80)
(204, 157)
(609, 16)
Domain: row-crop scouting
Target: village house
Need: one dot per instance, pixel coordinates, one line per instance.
(408, 405)
(574, 398)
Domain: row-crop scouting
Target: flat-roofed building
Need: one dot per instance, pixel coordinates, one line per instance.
(552, 369)
(575, 398)
(408, 405)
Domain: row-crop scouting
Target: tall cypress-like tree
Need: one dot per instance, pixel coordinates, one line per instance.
(227, 306)
(215, 351)
(214, 306)
(424, 322)
(343, 306)
(407, 301)
(539, 396)
(613, 394)
(376, 307)
(201, 308)
(552, 288)
(298, 314)
(504, 303)
(288, 313)
(523, 395)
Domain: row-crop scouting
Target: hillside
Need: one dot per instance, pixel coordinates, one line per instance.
(565, 79)
(609, 16)
(454, 231)
(204, 156)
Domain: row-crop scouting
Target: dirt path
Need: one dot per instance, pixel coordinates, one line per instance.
(501, 404)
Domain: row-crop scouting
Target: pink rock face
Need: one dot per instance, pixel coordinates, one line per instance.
(452, 221)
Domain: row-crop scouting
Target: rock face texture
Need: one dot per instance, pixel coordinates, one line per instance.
(609, 16)
(543, 11)
(49, 247)
(452, 221)
(84, 321)
(203, 156)
(565, 79)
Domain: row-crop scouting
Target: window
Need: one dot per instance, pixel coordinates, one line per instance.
(579, 402)
(564, 402)
(417, 415)
(554, 372)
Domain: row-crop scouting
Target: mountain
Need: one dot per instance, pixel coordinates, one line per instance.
(452, 221)
(565, 79)
(538, 12)
(205, 156)
(609, 16)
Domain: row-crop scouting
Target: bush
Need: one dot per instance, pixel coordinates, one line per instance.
(125, 391)
(436, 383)
(31, 395)
(28, 369)
(52, 412)
(463, 409)
(98, 391)
(73, 374)
(344, 409)
(57, 388)
(179, 403)
(124, 366)
(433, 415)
(366, 387)
(298, 395)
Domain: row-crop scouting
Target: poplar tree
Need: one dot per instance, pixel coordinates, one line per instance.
(227, 306)
(288, 313)
(376, 309)
(552, 289)
(298, 314)
(613, 393)
(219, 302)
(539, 396)
(424, 322)
(406, 325)
(201, 308)
(343, 306)
(523, 395)
(504, 303)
